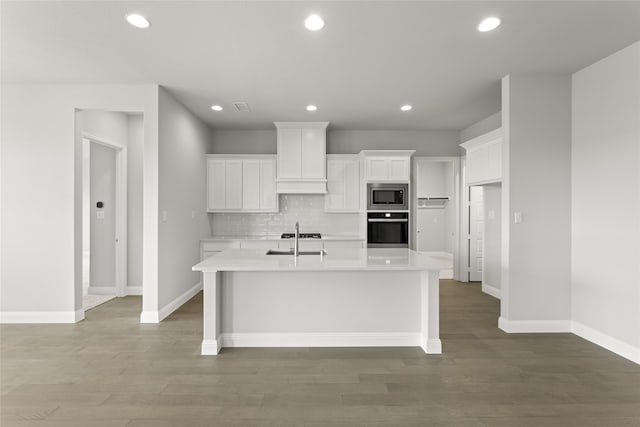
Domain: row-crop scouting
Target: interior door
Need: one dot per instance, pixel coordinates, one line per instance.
(476, 229)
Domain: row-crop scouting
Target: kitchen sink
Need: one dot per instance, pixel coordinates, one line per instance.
(320, 252)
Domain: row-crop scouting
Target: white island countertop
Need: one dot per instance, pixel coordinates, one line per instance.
(338, 259)
(277, 237)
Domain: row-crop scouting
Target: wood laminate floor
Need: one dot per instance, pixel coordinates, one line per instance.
(110, 370)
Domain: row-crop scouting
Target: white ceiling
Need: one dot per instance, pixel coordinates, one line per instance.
(371, 58)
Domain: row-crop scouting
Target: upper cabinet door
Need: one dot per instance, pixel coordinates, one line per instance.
(343, 181)
(352, 185)
(334, 200)
(234, 184)
(313, 152)
(289, 153)
(216, 184)
(399, 169)
(251, 184)
(268, 195)
(377, 168)
(238, 183)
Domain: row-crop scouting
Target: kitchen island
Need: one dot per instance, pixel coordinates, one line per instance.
(346, 298)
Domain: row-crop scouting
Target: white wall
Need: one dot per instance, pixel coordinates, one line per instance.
(244, 141)
(183, 142)
(135, 159)
(107, 125)
(102, 185)
(485, 125)
(492, 239)
(42, 194)
(536, 125)
(426, 143)
(605, 265)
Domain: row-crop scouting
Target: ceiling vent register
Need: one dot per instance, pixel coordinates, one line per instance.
(241, 106)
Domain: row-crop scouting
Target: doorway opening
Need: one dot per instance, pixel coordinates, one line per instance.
(104, 220)
(110, 149)
(437, 219)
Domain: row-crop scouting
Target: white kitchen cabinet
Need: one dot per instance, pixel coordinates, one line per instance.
(343, 184)
(224, 180)
(484, 158)
(387, 165)
(233, 183)
(216, 184)
(268, 194)
(301, 158)
(241, 184)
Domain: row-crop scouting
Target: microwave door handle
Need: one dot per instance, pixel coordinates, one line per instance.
(387, 220)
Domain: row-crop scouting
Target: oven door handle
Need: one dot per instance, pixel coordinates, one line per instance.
(387, 220)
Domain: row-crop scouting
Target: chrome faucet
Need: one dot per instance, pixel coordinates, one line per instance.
(295, 241)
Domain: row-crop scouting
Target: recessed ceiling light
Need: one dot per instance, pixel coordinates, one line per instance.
(311, 108)
(216, 108)
(137, 20)
(314, 23)
(489, 24)
(406, 107)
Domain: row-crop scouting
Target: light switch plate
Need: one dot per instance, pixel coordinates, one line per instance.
(164, 216)
(100, 215)
(517, 217)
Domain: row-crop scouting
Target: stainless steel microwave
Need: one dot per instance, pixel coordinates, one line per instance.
(386, 196)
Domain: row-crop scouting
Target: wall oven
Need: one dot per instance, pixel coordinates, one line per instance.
(388, 229)
(386, 196)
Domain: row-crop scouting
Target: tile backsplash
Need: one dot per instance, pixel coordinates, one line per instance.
(307, 209)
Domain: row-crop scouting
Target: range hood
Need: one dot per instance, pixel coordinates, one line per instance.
(302, 158)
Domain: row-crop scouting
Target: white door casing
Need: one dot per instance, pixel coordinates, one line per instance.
(476, 231)
(120, 210)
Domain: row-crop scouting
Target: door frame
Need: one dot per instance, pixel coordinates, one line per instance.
(121, 205)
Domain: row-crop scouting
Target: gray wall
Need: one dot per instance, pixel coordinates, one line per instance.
(536, 126)
(135, 127)
(485, 125)
(42, 166)
(183, 142)
(426, 143)
(605, 169)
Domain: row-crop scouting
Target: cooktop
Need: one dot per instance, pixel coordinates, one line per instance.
(301, 236)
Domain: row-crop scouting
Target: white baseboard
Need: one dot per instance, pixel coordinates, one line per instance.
(398, 339)
(211, 347)
(488, 289)
(603, 340)
(133, 290)
(41, 316)
(534, 326)
(102, 290)
(431, 346)
(158, 316)
(149, 317)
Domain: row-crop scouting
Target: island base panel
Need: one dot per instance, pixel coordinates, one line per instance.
(311, 309)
